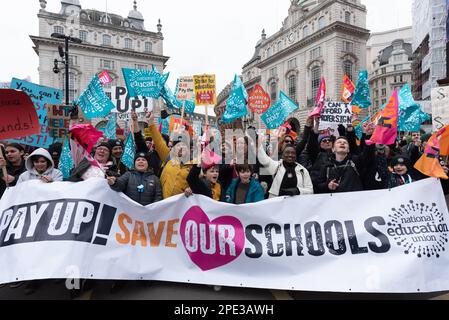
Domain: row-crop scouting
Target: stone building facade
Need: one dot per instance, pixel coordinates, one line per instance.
(319, 38)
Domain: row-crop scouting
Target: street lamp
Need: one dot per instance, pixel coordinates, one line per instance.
(65, 61)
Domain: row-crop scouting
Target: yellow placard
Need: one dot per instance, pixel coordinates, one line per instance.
(205, 90)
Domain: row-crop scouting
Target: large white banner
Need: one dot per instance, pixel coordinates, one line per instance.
(382, 241)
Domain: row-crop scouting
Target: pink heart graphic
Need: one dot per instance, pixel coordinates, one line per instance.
(211, 244)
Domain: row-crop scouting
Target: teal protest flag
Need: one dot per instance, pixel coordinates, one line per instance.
(66, 163)
(174, 103)
(145, 83)
(94, 102)
(278, 113)
(362, 96)
(359, 129)
(110, 131)
(129, 152)
(411, 116)
(237, 104)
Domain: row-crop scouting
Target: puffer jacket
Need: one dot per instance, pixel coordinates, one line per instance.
(131, 180)
(32, 174)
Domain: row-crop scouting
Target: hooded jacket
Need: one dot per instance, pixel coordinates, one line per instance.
(255, 192)
(32, 174)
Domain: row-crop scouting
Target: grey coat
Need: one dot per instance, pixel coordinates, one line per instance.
(32, 174)
(129, 182)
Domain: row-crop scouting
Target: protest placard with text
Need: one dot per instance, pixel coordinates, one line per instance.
(205, 90)
(334, 114)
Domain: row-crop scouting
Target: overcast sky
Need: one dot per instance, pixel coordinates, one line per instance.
(201, 36)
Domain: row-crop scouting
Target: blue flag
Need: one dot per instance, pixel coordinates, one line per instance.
(174, 103)
(278, 113)
(110, 131)
(94, 102)
(65, 161)
(236, 106)
(411, 115)
(362, 96)
(145, 83)
(359, 129)
(129, 153)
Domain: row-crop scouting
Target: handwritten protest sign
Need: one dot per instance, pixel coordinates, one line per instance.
(334, 114)
(259, 101)
(58, 120)
(440, 112)
(40, 95)
(18, 115)
(185, 89)
(205, 90)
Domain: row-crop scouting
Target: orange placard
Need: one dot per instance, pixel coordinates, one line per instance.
(18, 115)
(259, 101)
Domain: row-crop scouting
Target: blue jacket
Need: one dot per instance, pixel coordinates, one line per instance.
(255, 192)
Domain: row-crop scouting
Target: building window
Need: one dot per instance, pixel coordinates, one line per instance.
(321, 22)
(128, 43)
(292, 64)
(58, 30)
(305, 31)
(83, 35)
(141, 66)
(398, 67)
(73, 60)
(279, 47)
(348, 17)
(348, 46)
(384, 101)
(315, 53)
(292, 87)
(268, 52)
(348, 67)
(273, 72)
(273, 92)
(148, 47)
(107, 40)
(383, 70)
(316, 79)
(384, 92)
(397, 57)
(107, 64)
(384, 81)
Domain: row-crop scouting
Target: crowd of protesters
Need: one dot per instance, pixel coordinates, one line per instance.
(297, 165)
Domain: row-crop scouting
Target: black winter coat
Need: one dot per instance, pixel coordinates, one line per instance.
(129, 182)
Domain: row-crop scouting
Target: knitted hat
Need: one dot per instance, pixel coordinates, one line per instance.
(106, 145)
(400, 159)
(143, 155)
(321, 137)
(116, 143)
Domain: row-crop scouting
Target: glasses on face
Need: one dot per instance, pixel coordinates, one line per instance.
(326, 141)
(288, 141)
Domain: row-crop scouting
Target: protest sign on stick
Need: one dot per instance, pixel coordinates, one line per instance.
(334, 114)
(18, 116)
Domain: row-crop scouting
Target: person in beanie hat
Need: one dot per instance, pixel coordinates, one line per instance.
(117, 148)
(399, 176)
(140, 184)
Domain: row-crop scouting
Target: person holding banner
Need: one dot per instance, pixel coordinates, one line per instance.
(289, 177)
(176, 167)
(341, 172)
(208, 184)
(40, 166)
(141, 185)
(14, 163)
(245, 189)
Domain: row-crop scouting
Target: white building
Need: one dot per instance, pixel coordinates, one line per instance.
(109, 42)
(389, 56)
(319, 38)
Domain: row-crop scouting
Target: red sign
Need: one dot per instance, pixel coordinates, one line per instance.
(259, 101)
(18, 115)
(104, 77)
